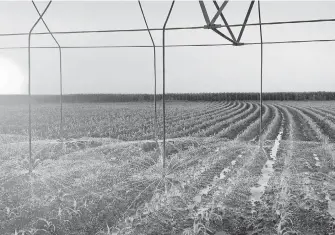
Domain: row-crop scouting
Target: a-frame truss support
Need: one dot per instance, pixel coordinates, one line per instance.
(210, 23)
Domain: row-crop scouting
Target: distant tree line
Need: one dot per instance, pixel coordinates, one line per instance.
(93, 98)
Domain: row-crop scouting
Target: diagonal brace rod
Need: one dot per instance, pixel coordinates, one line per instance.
(204, 12)
(224, 36)
(225, 22)
(245, 20)
(219, 12)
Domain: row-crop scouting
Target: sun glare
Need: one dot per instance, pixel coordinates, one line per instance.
(11, 78)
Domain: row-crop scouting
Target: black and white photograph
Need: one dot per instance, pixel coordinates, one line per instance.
(167, 117)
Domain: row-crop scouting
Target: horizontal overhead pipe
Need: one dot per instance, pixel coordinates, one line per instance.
(177, 45)
(172, 28)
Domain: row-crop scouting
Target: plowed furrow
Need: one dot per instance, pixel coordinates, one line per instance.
(234, 129)
(253, 130)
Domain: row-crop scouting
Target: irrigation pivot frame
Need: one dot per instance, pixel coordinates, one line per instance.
(210, 24)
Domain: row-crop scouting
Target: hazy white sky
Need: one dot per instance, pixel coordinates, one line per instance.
(296, 67)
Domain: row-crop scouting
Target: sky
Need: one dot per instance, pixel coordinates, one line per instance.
(288, 67)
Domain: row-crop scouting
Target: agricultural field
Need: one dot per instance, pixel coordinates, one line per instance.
(225, 173)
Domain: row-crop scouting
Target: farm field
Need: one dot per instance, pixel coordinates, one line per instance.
(106, 177)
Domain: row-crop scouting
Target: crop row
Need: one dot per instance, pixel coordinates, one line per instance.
(135, 121)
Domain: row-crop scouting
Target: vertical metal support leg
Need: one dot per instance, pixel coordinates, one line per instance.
(155, 72)
(261, 91)
(60, 74)
(61, 125)
(164, 129)
(29, 87)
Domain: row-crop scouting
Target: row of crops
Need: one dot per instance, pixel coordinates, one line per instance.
(135, 121)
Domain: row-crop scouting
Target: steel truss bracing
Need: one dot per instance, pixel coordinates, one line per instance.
(210, 24)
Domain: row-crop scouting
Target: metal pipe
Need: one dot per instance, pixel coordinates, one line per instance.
(225, 22)
(164, 131)
(204, 12)
(224, 36)
(155, 71)
(29, 86)
(60, 74)
(172, 28)
(245, 20)
(261, 92)
(219, 11)
(176, 45)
